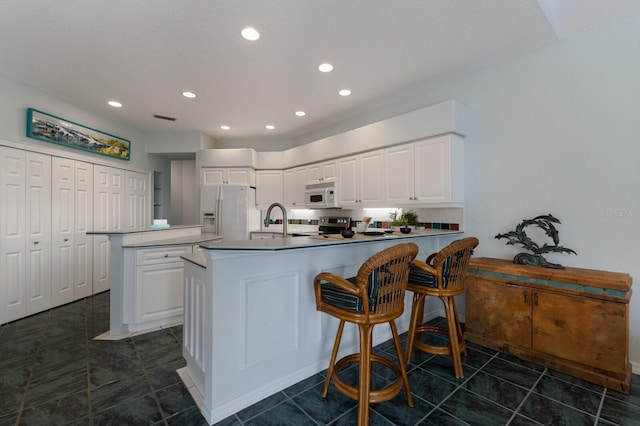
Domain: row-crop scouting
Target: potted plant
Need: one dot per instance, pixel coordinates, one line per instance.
(407, 218)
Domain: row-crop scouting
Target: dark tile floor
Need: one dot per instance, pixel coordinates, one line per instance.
(52, 372)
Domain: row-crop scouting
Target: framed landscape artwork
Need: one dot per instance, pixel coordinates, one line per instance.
(49, 128)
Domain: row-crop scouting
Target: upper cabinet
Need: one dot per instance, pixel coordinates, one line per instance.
(439, 170)
(361, 179)
(212, 176)
(269, 188)
(425, 173)
(322, 172)
(293, 187)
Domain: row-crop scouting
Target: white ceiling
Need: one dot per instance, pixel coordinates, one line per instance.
(145, 53)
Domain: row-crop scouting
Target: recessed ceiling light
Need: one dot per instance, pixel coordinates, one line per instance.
(188, 94)
(301, 113)
(270, 126)
(115, 104)
(325, 67)
(344, 92)
(225, 127)
(250, 34)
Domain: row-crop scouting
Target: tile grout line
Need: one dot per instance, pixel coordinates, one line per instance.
(458, 387)
(515, 412)
(33, 368)
(604, 395)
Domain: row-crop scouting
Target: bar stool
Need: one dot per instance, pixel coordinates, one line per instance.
(444, 278)
(374, 296)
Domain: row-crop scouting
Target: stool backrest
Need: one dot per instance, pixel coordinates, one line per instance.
(451, 263)
(385, 276)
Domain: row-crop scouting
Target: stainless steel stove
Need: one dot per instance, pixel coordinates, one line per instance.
(333, 224)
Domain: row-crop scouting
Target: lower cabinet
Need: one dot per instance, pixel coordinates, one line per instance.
(159, 293)
(156, 298)
(572, 320)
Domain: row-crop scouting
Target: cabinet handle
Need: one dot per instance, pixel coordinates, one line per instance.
(36, 242)
(66, 239)
(526, 296)
(166, 255)
(535, 298)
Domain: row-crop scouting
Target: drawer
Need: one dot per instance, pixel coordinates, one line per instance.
(158, 255)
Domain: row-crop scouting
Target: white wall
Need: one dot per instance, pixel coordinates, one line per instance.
(185, 194)
(16, 97)
(557, 132)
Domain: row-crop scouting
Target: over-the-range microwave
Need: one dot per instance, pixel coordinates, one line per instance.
(321, 195)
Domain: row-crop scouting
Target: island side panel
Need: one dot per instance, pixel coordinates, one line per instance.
(262, 330)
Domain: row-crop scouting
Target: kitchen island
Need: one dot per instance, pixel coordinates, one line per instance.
(146, 274)
(251, 327)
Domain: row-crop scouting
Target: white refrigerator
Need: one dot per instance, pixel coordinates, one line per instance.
(229, 211)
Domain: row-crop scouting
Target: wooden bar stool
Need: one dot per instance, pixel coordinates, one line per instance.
(374, 296)
(444, 278)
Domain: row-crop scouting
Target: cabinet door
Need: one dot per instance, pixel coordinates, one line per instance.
(349, 181)
(498, 311)
(38, 209)
(63, 230)
(269, 188)
(213, 176)
(372, 178)
(322, 172)
(565, 325)
(240, 176)
(83, 250)
(109, 191)
(433, 171)
(159, 291)
(293, 186)
(399, 174)
(12, 236)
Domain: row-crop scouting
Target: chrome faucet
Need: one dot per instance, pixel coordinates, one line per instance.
(284, 218)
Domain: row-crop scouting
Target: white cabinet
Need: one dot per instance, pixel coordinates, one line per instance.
(25, 242)
(212, 176)
(293, 183)
(349, 169)
(158, 293)
(426, 173)
(399, 174)
(269, 188)
(439, 170)
(361, 179)
(322, 172)
(72, 216)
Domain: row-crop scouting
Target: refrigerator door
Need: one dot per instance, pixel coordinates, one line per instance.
(233, 212)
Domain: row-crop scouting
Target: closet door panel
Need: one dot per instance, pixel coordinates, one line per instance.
(38, 232)
(83, 249)
(12, 237)
(63, 226)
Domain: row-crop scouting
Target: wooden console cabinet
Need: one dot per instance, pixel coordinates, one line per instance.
(572, 320)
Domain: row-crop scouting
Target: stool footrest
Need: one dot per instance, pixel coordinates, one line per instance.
(378, 395)
(436, 349)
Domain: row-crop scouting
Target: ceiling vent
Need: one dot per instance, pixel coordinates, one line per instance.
(163, 117)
